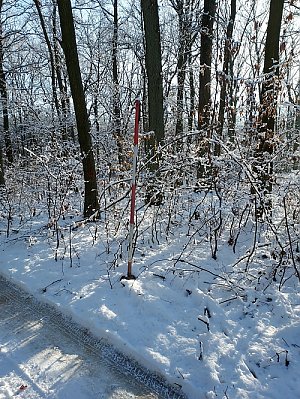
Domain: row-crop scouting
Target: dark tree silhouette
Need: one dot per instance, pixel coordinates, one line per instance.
(91, 204)
(154, 74)
(225, 83)
(204, 107)
(4, 97)
(268, 102)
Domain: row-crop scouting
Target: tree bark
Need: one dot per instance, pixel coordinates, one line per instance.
(154, 74)
(263, 165)
(204, 107)
(181, 63)
(91, 204)
(191, 116)
(271, 73)
(225, 73)
(66, 127)
(51, 57)
(185, 10)
(4, 98)
(116, 93)
(268, 97)
(208, 18)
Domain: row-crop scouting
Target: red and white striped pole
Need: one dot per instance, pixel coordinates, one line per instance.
(130, 276)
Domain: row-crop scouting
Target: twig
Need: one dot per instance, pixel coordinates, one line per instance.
(199, 268)
(180, 373)
(227, 300)
(201, 351)
(158, 275)
(205, 322)
(54, 282)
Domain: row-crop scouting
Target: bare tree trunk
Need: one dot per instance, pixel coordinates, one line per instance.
(67, 131)
(225, 74)
(116, 93)
(297, 120)
(181, 72)
(181, 63)
(204, 107)
(186, 37)
(297, 127)
(208, 18)
(145, 114)
(192, 95)
(91, 204)
(4, 98)
(268, 103)
(271, 72)
(154, 74)
(51, 57)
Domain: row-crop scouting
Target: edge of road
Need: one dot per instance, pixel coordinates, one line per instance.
(122, 362)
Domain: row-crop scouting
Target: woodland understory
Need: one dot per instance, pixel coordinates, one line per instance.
(43, 200)
(218, 162)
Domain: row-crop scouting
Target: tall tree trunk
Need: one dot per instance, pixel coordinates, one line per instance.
(191, 116)
(181, 64)
(271, 73)
(225, 73)
(4, 98)
(67, 131)
(91, 204)
(51, 57)
(185, 10)
(297, 127)
(208, 18)
(116, 92)
(204, 107)
(145, 114)
(154, 74)
(194, 4)
(268, 102)
(232, 102)
(181, 72)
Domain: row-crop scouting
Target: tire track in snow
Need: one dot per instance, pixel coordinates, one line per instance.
(78, 355)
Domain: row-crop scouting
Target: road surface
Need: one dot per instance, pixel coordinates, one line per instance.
(42, 355)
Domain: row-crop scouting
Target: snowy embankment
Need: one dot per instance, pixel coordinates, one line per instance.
(44, 355)
(194, 325)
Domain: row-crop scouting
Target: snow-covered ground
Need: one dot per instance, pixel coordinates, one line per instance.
(41, 358)
(195, 326)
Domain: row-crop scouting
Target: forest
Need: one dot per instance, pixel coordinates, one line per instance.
(208, 199)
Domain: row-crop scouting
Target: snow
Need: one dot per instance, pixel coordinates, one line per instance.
(40, 358)
(208, 335)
